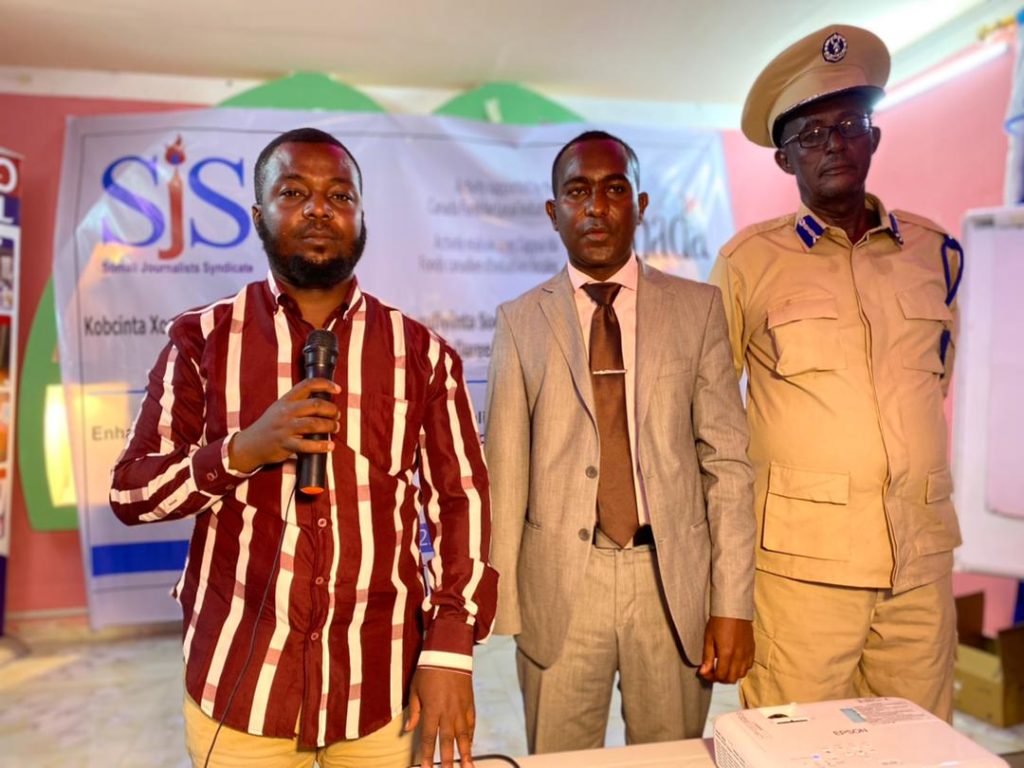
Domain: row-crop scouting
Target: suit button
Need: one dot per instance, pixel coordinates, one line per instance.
(591, 472)
(584, 534)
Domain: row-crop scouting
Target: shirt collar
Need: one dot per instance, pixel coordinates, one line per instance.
(809, 228)
(349, 303)
(627, 276)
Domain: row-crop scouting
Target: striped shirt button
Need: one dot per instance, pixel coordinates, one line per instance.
(314, 636)
(319, 580)
(322, 522)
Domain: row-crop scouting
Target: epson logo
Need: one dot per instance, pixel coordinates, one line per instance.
(849, 731)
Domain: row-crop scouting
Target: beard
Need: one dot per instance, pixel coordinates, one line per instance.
(301, 272)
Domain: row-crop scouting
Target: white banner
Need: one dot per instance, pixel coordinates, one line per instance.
(154, 218)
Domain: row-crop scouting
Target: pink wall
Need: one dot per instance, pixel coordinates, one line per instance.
(760, 190)
(942, 153)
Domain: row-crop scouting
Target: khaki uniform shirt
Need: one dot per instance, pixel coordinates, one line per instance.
(849, 351)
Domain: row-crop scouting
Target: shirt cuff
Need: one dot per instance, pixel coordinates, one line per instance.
(210, 468)
(444, 660)
(449, 645)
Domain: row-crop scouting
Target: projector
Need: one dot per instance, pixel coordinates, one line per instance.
(852, 733)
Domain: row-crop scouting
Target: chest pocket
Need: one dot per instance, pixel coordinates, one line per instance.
(805, 333)
(389, 430)
(926, 316)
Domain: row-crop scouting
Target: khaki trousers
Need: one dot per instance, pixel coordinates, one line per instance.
(816, 642)
(620, 624)
(387, 747)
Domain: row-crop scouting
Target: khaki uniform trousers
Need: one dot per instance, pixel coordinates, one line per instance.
(621, 623)
(387, 747)
(817, 642)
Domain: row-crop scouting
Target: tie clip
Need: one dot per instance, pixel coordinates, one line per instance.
(609, 372)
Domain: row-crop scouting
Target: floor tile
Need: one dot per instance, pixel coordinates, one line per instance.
(118, 703)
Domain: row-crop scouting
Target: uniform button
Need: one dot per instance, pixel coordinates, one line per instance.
(314, 636)
(591, 472)
(584, 534)
(211, 476)
(319, 580)
(322, 522)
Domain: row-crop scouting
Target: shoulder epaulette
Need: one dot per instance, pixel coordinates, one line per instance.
(921, 221)
(951, 251)
(755, 229)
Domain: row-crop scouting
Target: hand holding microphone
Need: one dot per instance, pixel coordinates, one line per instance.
(300, 422)
(319, 357)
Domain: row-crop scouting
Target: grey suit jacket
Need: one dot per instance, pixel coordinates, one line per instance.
(542, 450)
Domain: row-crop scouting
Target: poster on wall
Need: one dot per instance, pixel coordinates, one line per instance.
(10, 248)
(154, 218)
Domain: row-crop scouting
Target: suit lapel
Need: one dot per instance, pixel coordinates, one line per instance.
(559, 308)
(652, 336)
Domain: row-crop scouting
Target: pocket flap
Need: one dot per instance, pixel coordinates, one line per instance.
(828, 487)
(803, 309)
(923, 303)
(938, 486)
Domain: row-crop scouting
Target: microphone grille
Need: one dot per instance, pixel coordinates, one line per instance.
(321, 339)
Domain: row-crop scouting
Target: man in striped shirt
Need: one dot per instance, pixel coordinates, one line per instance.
(307, 626)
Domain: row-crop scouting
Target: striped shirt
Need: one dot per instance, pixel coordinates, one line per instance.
(347, 618)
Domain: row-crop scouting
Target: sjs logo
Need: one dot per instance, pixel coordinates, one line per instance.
(152, 203)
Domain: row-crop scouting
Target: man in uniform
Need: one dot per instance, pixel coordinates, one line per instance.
(844, 316)
(620, 483)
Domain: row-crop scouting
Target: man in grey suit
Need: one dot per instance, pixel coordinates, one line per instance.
(623, 523)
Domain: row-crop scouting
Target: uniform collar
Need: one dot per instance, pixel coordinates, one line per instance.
(809, 228)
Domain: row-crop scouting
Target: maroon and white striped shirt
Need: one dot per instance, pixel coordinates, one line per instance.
(346, 619)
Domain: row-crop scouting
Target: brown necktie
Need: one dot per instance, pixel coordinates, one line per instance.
(616, 497)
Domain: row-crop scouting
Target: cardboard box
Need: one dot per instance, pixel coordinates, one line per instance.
(989, 680)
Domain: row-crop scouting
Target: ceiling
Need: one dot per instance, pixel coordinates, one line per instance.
(694, 51)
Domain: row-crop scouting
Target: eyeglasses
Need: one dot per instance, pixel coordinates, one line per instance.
(818, 135)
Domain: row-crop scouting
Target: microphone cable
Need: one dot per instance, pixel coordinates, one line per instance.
(255, 625)
(458, 761)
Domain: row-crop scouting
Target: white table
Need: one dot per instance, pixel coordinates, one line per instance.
(692, 753)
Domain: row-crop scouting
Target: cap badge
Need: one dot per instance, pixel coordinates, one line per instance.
(834, 49)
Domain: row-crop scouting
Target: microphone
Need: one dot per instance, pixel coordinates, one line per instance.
(319, 357)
